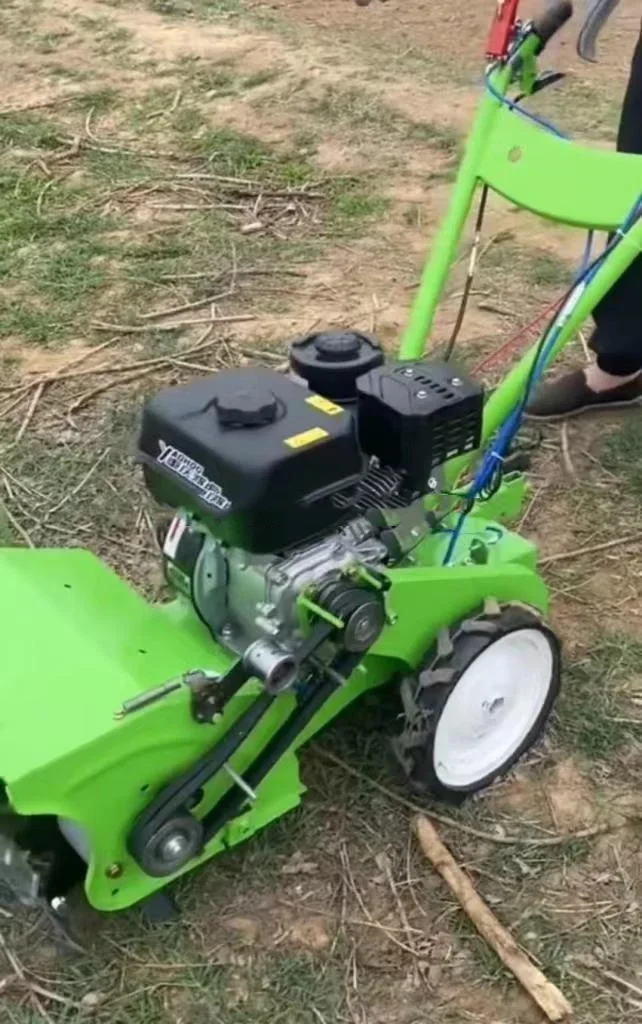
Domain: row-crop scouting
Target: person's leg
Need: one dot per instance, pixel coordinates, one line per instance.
(615, 378)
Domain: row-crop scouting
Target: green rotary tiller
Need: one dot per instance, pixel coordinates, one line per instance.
(335, 530)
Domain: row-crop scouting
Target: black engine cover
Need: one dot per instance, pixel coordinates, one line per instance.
(254, 454)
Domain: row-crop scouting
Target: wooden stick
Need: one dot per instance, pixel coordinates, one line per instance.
(547, 996)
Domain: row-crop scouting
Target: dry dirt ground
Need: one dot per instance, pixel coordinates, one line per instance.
(284, 166)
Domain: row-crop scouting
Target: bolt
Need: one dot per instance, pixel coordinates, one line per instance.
(408, 372)
(226, 630)
(114, 870)
(422, 394)
(456, 382)
(173, 847)
(432, 484)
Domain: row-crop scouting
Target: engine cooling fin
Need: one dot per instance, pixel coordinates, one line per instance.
(381, 487)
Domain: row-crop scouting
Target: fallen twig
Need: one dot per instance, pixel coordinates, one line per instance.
(579, 976)
(53, 102)
(88, 131)
(356, 922)
(191, 207)
(20, 392)
(443, 819)
(623, 982)
(141, 364)
(79, 486)
(37, 395)
(18, 971)
(98, 325)
(18, 527)
(174, 310)
(635, 538)
(41, 195)
(547, 996)
(88, 396)
(173, 107)
(585, 348)
(566, 454)
(596, 462)
(383, 863)
(217, 278)
(39, 990)
(60, 373)
(345, 861)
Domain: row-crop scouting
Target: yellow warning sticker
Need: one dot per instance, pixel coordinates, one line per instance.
(324, 405)
(306, 438)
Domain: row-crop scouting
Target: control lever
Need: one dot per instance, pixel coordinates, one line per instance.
(542, 82)
(599, 11)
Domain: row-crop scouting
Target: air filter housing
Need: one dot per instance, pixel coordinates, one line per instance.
(414, 416)
(331, 362)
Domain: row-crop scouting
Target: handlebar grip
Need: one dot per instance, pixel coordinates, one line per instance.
(546, 26)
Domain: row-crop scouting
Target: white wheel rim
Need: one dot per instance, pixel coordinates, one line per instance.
(492, 708)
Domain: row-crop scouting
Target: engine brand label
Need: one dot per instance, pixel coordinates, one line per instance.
(306, 438)
(324, 405)
(179, 463)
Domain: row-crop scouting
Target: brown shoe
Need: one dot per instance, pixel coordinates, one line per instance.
(570, 395)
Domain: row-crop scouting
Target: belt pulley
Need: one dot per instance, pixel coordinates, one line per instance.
(167, 835)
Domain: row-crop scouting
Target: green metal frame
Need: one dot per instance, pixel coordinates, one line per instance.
(62, 751)
(549, 176)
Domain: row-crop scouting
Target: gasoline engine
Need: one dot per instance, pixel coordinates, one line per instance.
(293, 491)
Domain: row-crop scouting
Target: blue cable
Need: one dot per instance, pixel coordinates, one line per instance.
(495, 455)
(513, 105)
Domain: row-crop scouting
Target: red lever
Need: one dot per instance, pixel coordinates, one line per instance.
(501, 30)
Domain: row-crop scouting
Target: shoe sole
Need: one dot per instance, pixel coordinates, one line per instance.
(583, 409)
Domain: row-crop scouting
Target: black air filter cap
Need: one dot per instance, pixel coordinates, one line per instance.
(332, 361)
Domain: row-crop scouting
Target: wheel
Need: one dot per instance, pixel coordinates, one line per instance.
(480, 701)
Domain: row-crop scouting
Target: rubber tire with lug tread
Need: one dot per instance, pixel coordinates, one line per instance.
(426, 693)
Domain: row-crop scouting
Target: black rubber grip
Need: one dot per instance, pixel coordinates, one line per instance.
(552, 21)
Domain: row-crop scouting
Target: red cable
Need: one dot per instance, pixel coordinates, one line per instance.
(513, 341)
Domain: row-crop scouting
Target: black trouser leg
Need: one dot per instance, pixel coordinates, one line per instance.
(617, 339)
